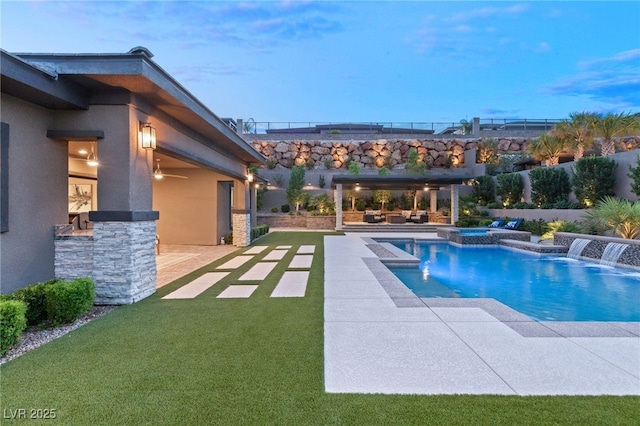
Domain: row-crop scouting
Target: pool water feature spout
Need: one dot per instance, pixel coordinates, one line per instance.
(612, 253)
(576, 248)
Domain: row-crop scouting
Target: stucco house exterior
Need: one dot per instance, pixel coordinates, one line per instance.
(61, 216)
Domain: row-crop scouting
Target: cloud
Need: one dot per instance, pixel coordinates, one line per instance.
(614, 80)
(502, 113)
(488, 12)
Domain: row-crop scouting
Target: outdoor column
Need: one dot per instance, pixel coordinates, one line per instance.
(124, 227)
(241, 214)
(337, 198)
(454, 204)
(433, 204)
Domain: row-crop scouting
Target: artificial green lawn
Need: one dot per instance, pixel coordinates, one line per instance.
(241, 361)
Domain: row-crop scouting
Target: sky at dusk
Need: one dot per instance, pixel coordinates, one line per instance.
(361, 61)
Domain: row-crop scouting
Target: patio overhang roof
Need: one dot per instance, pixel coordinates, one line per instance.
(73, 81)
(430, 180)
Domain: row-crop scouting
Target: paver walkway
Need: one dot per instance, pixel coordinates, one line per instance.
(374, 346)
(291, 284)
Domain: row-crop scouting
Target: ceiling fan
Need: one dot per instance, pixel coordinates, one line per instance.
(158, 174)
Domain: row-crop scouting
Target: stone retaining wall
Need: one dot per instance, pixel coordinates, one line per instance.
(293, 221)
(378, 153)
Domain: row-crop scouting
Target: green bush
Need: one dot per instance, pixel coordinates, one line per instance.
(285, 208)
(259, 230)
(485, 222)
(549, 185)
(361, 205)
(34, 297)
(494, 205)
(13, 322)
(484, 190)
(593, 178)
(510, 188)
(523, 205)
(536, 227)
(634, 175)
(274, 210)
(229, 238)
(468, 222)
(67, 300)
(560, 226)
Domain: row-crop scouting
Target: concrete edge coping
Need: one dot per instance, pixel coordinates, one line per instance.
(536, 247)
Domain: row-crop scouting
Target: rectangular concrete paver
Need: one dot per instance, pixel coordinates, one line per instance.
(235, 262)
(275, 255)
(283, 247)
(237, 292)
(306, 249)
(301, 262)
(197, 286)
(259, 271)
(292, 284)
(256, 250)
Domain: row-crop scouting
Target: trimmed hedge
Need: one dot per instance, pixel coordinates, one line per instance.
(259, 231)
(34, 298)
(13, 322)
(67, 300)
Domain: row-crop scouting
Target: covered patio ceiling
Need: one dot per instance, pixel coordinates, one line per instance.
(432, 180)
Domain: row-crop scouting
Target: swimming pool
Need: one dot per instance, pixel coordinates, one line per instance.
(546, 288)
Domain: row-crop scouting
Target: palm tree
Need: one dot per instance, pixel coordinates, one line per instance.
(577, 131)
(547, 147)
(611, 126)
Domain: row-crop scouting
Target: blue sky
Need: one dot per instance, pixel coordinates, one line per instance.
(360, 61)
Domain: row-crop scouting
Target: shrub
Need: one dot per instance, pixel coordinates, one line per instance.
(536, 227)
(310, 163)
(485, 222)
(328, 162)
(414, 165)
(13, 322)
(361, 205)
(484, 190)
(323, 203)
(468, 222)
(510, 188)
(634, 175)
(560, 226)
(593, 178)
(67, 300)
(494, 205)
(34, 297)
(524, 205)
(354, 168)
(274, 210)
(321, 182)
(271, 163)
(618, 215)
(229, 238)
(285, 208)
(549, 185)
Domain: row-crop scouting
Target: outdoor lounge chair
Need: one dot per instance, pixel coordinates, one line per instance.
(513, 224)
(497, 223)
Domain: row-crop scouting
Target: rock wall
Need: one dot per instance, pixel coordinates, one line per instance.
(378, 153)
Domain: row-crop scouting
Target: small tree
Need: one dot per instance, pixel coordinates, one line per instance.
(323, 203)
(354, 168)
(549, 186)
(577, 130)
(414, 165)
(295, 192)
(634, 175)
(510, 188)
(484, 190)
(382, 196)
(548, 147)
(593, 178)
(612, 125)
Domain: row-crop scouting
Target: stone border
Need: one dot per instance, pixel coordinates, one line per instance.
(403, 297)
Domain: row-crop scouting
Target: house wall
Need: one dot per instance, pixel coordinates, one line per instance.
(38, 190)
(189, 208)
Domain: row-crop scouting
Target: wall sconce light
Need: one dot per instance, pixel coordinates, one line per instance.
(92, 158)
(147, 136)
(249, 177)
(357, 186)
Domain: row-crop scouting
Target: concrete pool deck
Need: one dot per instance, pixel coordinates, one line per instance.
(380, 338)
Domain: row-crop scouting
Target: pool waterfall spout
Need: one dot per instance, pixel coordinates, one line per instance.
(612, 253)
(575, 250)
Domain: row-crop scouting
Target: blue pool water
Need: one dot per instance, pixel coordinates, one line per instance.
(544, 288)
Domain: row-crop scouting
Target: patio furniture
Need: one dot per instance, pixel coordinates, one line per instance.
(373, 216)
(513, 224)
(397, 218)
(419, 217)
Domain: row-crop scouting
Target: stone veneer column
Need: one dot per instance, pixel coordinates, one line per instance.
(337, 198)
(433, 203)
(454, 204)
(241, 228)
(124, 261)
